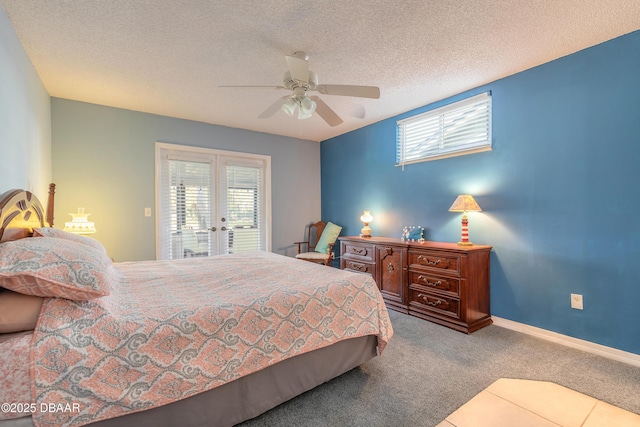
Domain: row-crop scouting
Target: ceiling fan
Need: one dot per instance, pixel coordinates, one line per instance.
(300, 80)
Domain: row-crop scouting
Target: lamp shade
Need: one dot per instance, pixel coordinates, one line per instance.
(465, 203)
(289, 106)
(79, 223)
(303, 114)
(308, 104)
(307, 107)
(366, 217)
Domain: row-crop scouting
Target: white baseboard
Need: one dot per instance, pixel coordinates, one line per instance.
(588, 346)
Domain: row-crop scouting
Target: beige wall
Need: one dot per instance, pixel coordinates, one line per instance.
(25, 119)
(103, 160)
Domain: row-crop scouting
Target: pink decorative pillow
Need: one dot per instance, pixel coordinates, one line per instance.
(18, 312)
(61, 234)
(50, 267)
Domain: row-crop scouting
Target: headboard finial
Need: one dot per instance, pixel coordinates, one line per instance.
(52, 192)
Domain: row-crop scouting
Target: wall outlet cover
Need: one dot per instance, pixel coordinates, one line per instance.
(576, 301)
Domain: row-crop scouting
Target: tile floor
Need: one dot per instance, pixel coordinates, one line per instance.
(524, 403)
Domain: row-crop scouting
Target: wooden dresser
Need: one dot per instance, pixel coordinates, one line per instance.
(441, 282)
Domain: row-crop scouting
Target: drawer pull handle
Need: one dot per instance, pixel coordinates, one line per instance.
(358, 251)
(390, 267)
(357, 266)
(426, 300)
(427, 282)
(428, 261)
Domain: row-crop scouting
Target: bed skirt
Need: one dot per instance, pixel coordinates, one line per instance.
(251, 395)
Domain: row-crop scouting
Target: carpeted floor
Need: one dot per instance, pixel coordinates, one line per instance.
(428, 371)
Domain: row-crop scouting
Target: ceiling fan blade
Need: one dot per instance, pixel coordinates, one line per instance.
(252, 87)
(349, 90)
(299, 68)
(273, 108)
(327, 114)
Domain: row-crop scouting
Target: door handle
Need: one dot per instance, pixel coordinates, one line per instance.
(213, 229)
(223, 228)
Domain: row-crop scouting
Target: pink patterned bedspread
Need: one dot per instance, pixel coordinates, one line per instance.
(15, 384)
(173, 329)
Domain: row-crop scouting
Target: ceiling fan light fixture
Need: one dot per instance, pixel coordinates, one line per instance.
(303, 114)
(289, 107)
(307, 105)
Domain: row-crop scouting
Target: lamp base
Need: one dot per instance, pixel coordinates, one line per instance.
(465, 244)
(366, 231)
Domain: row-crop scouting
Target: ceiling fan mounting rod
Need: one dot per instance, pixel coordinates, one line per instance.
(291, 83)
(299, 92)
(301, 55)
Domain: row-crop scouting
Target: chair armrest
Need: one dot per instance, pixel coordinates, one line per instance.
(300, 243)
(330, 252)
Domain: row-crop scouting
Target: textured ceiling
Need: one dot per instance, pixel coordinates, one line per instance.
(168, 57)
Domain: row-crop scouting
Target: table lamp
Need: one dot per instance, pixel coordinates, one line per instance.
(465, 203)
(366, 217)
(79, 223)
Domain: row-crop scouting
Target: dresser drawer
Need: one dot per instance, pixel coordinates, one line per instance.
(425, 302)
(449, 285)
(358, 267)
(440, 261)
(357, 252)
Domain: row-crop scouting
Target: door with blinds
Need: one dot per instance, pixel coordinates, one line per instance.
(211, 202)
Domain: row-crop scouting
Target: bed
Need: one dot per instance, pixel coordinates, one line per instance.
(192, 342)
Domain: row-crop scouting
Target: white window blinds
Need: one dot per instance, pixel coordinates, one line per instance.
(244, 205)
(463, 127)
(185, 213)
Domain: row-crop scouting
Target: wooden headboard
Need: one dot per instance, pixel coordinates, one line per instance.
(21, 212)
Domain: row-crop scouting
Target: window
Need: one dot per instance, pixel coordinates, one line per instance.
(463, 127)
(186, 207)
(211, 202)
(188, 186)
(243, 205)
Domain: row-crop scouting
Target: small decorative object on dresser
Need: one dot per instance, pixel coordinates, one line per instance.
(366, 217)
(441, 282)
(413, 234)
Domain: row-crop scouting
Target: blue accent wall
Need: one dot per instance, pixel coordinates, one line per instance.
(559, 192)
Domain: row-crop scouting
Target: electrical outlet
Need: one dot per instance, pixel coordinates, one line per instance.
(576, 301)
(147, 211)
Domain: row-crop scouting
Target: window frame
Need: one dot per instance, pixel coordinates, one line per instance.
(438, 134)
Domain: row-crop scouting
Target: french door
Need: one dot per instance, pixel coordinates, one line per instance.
(211, 202)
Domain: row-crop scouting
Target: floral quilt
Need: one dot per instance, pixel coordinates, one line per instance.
(172, 329)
